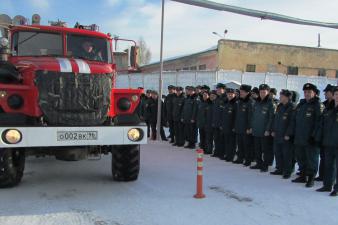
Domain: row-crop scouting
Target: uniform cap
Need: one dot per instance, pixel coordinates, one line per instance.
(205, 87)
(213, 92)
(309, 86)
(220, 85)
(286, 93)
(245, 87)
(207, 92)
(273, 91)
(264, 87)
(230, 90)
(255, 90)
(329, 87)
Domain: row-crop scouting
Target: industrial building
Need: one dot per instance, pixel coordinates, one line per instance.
(256, 57)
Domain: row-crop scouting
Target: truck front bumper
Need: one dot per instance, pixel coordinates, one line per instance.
(14, 137)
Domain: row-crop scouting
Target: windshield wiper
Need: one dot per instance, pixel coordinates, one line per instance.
(30, 37)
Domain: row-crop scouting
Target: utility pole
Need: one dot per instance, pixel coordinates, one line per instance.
(160, 82)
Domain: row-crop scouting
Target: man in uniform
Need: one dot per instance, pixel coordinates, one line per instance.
(198, 92)
(328, 134)
(255, 93)
(177, 115)
(282, 142)
(168, 110)
(328, 104)
(88, 51)
(203, 122)
(228, 125)
(205, 88)
(146, 110)
(188, 118)
(245, 103)
(218, 106)
(273, 93)
(306, 124)
(261, 126)
(153, 107)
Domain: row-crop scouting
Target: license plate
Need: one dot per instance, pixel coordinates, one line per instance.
(76, 135)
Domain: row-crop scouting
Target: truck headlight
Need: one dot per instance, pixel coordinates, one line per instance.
(135, 134)
(11, 136)
(3, 94)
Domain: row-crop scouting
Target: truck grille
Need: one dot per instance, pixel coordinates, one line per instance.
(74, 100)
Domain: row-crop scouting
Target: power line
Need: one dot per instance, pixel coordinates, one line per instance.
(256, 13)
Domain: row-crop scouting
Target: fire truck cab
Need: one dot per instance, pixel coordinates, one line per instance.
(58, 98)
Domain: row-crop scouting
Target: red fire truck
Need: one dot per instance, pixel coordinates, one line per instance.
(57, 98)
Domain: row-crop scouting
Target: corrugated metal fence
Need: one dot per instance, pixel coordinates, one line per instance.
(210, 78)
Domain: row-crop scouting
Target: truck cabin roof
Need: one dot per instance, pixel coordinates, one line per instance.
(60, 29)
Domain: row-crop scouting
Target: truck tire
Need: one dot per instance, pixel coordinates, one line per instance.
(12, 165)
(126, 162)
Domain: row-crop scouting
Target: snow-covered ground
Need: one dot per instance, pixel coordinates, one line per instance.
(61, 193)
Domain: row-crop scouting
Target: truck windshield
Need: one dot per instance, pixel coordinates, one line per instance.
(89, 48)
(27, 43)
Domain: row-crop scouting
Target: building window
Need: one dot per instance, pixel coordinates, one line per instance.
(202, 67)
(322, 72)
(185, 68)
(292, 70)
(336, 73)
(250, 68)
(193, 68)
(178, 70)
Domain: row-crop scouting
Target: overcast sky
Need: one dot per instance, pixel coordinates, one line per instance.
(187, 28)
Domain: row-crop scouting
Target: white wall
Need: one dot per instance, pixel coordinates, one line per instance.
(210, 78)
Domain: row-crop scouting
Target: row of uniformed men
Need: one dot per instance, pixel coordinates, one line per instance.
(250, 125)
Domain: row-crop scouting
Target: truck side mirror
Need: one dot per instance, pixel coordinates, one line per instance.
(127, 59)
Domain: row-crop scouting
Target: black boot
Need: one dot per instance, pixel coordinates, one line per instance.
(310, 182)
(213, 155)
(334, 193)
(324, 189)
(286, 176)
(228, 159)
(276, 172)
(300, 179)
(264, 168)
(318, 178)
(247, 163)
(192, 146)
(238, 161)
(256, 167)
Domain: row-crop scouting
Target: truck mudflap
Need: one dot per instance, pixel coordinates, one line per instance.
(14, 137)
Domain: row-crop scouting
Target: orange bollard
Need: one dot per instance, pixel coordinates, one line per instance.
(199, 187)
